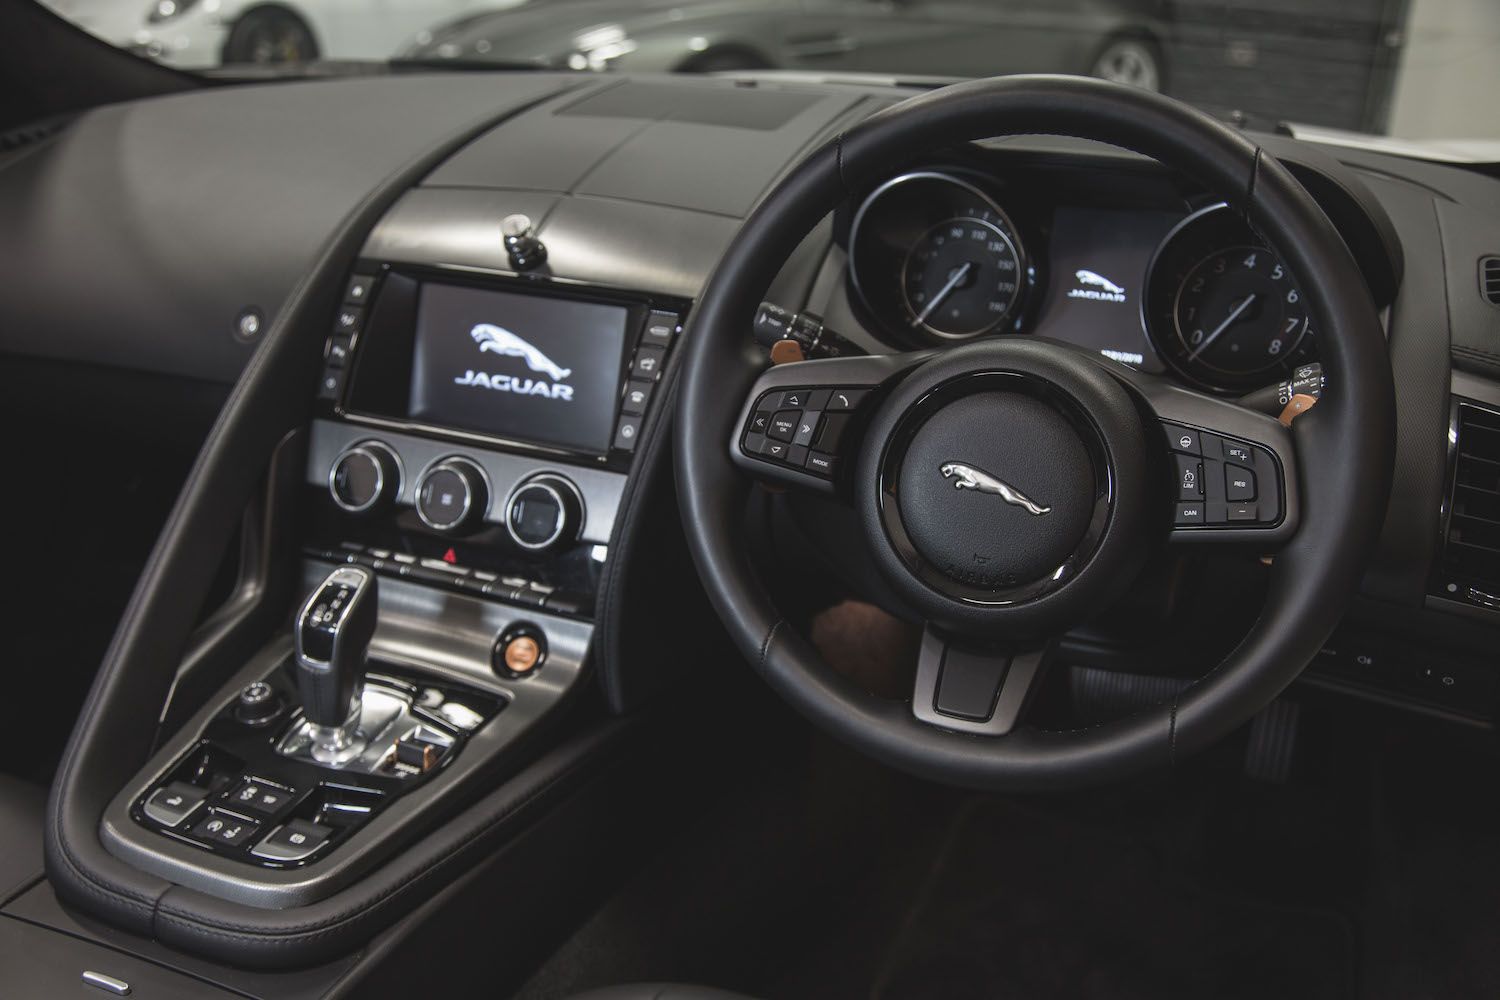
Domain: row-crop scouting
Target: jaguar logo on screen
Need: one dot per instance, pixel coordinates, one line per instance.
(498, 340)
(966, 477)
(1093, 285)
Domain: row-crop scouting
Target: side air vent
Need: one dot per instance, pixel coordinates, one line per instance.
(1489, 279)
(1470, 570)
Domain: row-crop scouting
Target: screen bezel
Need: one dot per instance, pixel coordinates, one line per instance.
(379, 384)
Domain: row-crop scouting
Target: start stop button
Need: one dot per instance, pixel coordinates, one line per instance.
(519, 652)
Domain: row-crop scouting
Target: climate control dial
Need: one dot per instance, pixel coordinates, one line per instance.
(365, 477)
(452, 495)
(544, 512)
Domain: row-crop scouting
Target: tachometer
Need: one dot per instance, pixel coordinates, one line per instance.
(1222, 309)
(932, 258)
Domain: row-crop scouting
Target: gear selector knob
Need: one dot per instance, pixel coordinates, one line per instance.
(333, 633)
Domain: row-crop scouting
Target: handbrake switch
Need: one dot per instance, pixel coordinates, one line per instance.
(332, 638)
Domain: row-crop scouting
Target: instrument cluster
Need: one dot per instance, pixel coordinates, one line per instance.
(937, 257)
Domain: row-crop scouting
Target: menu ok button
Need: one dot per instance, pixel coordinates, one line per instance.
(784, 425)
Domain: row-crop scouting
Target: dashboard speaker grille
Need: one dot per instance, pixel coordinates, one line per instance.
(1473, 542)
(1489, 279)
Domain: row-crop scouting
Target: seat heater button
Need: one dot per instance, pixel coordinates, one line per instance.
(1189, 513)
(296, 840)
(174, 803)
(224, 829)
(1239, 484)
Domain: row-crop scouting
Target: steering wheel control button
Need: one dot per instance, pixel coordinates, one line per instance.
(1242, 512)
(544, 512)
(259, 797)
(845, 399)
(996, 511)
(519, 652)
(806, 428)
(296, 840)
(1239, 484)
(760, 422)
(1191, 512)
(452, 496)
(775, 449)
(1183, 439)
(1238, 453)
(793, 399)
(364, 478)
(224, 829)
(784, 425)
(1189, 477)
(821, 464)
(969, 684)
(171, 805)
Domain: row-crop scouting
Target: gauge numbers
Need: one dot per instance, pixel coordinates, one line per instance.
(961, 278)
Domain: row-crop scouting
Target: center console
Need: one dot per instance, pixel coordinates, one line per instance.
(471, 441)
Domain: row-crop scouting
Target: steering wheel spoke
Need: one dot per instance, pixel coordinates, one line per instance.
(801, 422)
(1232, 472)
(983, 690)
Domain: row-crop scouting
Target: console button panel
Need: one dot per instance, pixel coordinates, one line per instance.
(235, 795)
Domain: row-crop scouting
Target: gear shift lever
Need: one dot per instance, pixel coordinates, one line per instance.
(333, 633)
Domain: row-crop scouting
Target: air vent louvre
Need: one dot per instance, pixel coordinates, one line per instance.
(1489, 279)
(1473, 549)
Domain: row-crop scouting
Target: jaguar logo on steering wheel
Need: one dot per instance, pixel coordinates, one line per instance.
(966, 477)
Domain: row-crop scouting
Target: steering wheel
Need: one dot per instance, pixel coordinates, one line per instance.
(1009, 488)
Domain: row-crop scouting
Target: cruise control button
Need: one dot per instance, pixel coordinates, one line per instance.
(1183, 439)
(224, 829)
(1239, 484)
(295, 841)
(784, 425)
(1238, 453)
(1189, 478)
(1189, 513)
(845, 399)
(258, 797)
(174, 803)
(1242, 512)
(806, 427)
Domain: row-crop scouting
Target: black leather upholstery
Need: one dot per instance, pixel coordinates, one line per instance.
(659, 991)
(22, 808)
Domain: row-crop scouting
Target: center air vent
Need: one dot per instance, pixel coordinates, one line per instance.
(1489, 279)
(1470, 569)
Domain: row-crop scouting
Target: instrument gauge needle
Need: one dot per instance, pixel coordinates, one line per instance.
(954, 280)
(1234, 314)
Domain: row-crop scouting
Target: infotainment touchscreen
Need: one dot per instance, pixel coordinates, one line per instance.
(525, 367)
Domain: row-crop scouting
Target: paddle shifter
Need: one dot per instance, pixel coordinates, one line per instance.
(333, 634)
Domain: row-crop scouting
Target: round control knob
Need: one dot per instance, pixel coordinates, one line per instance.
(258, 704)
(452, 495)
(544, 512)
(364, 477)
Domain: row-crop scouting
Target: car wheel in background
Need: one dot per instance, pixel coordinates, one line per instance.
(269, 35)
(727, 60)
(1132, 60)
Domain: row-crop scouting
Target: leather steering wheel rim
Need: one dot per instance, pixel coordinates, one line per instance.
(1344, 445)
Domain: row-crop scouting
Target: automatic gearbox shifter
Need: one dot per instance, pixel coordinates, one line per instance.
(333, 633)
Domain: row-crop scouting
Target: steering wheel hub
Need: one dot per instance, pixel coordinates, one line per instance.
(997, 480)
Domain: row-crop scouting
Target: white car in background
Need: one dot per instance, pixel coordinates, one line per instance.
(195, 34)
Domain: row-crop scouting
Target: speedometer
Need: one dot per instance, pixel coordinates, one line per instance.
(961, 278)
(1222, 308)
(932, 258)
